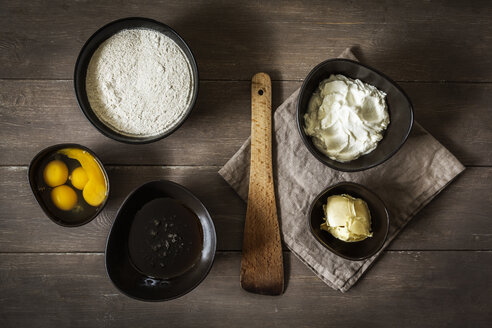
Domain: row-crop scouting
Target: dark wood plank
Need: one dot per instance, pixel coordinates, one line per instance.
(459, 218)
(467, 201)
(403, 289)
(37, 114)
(26, 228)
(409, 40)
(458, 115)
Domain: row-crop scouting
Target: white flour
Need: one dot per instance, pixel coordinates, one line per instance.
(139, 82)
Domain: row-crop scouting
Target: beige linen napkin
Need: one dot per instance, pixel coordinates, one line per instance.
(406, 183)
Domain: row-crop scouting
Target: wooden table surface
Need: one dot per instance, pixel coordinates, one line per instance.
(437, 273)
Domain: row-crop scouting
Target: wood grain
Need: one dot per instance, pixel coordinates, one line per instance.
(262, 269)
(459, 218)
(439, 51)
(404, 289)
(408, 40)
(37, 114)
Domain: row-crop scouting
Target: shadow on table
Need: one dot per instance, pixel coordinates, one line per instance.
(438, 59)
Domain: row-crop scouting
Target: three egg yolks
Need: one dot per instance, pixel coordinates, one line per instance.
(88, 177)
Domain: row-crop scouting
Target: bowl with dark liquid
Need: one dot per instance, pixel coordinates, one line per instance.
(162, 243)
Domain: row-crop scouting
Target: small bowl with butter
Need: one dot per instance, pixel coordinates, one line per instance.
(349, 220)
(352, 117)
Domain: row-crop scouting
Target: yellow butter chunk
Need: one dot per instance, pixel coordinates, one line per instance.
(347, 218)
(95, 190)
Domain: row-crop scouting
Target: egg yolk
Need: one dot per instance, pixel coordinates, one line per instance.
(79, 178)
(64, 197)
(55, 173)
(95, 190)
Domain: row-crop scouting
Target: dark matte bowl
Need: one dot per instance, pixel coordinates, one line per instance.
(399, 107)
(34, 174)
(351, 250)
(85, 56)
(119, 266)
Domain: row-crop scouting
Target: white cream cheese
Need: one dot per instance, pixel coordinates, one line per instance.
(346, 118)
(347, 218)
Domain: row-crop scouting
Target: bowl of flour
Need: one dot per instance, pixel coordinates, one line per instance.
(136, 80)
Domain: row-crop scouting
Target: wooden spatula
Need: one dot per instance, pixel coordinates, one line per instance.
(262, 269)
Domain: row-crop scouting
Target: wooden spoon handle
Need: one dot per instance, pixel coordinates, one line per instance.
(262, 268)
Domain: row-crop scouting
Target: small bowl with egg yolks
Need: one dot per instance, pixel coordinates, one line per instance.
(70, 184)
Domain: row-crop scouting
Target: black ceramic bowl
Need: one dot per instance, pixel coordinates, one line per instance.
(91, 46)
(399, 107)
(351, 250)
(129, 260)
(35, 173)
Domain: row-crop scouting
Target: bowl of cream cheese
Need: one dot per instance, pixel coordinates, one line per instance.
(352, 117)
(136, 80)
(349, 220)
